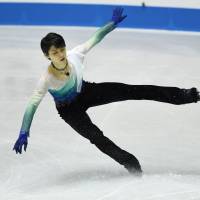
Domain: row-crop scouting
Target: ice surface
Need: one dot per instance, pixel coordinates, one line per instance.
(59, 164)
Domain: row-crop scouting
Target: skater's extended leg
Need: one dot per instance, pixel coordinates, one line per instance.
(101, 93)
(81, 122)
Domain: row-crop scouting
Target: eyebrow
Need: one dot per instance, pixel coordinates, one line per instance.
(56, 49)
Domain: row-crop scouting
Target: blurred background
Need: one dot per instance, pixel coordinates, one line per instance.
(149, 14)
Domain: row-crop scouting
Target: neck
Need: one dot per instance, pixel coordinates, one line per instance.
(59, 69)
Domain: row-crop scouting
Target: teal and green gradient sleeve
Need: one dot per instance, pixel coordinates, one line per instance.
(96, 38)
(33, 103)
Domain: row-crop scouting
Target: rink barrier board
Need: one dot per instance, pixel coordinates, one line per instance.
(66, 14)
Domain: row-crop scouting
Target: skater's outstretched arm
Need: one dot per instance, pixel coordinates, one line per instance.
(33, 103)
(117, 17)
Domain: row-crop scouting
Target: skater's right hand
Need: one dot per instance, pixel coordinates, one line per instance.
(21, 141)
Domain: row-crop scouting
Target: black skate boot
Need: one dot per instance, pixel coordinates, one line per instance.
(133, 167)
(192, 94)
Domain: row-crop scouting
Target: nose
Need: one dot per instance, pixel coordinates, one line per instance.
(61, 55)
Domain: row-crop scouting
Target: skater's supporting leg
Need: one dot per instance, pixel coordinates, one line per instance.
(81, 122)
(101, 93)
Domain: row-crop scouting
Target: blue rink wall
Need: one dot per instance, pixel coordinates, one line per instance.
(66, 14)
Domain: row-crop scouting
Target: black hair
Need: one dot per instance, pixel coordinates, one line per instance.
(51, 39)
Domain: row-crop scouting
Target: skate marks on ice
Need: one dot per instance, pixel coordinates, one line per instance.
(51, 177)
(156, 187)
(44, 175)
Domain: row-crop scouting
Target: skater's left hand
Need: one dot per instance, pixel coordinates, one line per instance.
(118, 16)
(21, 141)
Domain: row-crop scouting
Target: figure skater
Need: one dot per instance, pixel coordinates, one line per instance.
(63, 79)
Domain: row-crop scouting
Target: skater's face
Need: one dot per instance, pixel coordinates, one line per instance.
(57, 55)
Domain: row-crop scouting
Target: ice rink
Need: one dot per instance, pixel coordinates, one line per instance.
(60, 164)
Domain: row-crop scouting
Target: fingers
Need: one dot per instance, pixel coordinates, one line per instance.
(17, 149)
(25, 146)
(18, 146)
(14, 149)
(123, 17)
(118, 11)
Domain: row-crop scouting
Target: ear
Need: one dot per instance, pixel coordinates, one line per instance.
(47, 56)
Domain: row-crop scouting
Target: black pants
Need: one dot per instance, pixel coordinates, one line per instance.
(94, 94)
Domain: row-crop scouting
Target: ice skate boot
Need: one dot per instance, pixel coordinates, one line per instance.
(133, 167)
(193, 94)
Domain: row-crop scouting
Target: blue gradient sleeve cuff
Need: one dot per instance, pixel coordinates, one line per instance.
(24, 133)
